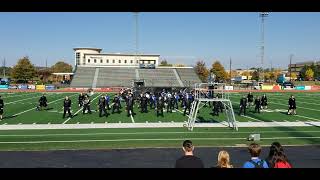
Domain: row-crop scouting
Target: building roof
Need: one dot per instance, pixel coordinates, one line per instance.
(124, 54)
(88, 48)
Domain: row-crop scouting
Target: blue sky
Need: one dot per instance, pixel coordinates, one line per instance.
(177, 37)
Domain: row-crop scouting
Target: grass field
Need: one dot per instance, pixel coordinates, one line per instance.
(20, 109)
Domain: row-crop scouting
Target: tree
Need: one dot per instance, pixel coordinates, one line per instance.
(202, 71)
(255, 75)
(23, 70)
(309, 74)
(294, 76)
(245, 73)
(303, 72)
(61, 67)
(44, 74)
(180, 65)
(164, 63)
(219, 71)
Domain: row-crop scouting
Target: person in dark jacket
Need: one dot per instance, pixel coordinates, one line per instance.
(170, 101)
(187, 104)
(86, 105)
(144, 104)
(160, 105)
(243, 105)
(264, 102)
(67, 107)
(1, 108)
(102, 106)
(250, 99)
(292, 105)
(257, 103)
(116, 104)
(80, 99)
(129, 104)
(42, 102)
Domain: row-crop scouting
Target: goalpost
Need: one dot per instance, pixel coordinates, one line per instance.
(217, 94)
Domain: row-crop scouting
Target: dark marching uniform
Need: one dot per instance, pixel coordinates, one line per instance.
(130, 103)
(86, 105)
(292, 104)
(116, 104)
(170, 102)
(1, 106)
(250, 99)
(243, 105)
(264, 101)
(216, 107)
(42, 102)
(80, 100)
(160, 105)
(187, 105)
(257, 104)
(102, 106)
(67, 107)
(144, 104)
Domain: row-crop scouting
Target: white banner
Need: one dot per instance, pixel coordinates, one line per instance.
(229, 88)
(307, 88)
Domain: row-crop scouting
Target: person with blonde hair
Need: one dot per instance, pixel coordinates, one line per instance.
(224, 160)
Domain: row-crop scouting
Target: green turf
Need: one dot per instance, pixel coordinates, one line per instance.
(24, 104)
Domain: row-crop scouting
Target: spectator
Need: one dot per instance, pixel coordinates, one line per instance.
(255, 162)
(224, 160)
(188, 160)
(277, 157)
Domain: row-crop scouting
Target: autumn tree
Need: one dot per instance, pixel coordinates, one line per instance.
(23, 70)
(309, 74)
(202, 70)
(164, 63)
(61, 67)
(255, 75)
(219, 71)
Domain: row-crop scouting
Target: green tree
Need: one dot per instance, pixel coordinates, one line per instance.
(202, 71)
(255, 75)
(309, 74)
(61, 67)
(219, 71)
(303, 72)
(44, 74)
(23, 70)
(164, 63)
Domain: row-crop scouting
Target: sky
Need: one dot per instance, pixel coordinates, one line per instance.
(177, 37)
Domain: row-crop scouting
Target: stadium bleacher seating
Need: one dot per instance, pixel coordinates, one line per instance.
(124, 77)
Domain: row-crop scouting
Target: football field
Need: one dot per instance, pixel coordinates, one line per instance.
(20, 112)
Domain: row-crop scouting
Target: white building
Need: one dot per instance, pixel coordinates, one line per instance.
(92, 57)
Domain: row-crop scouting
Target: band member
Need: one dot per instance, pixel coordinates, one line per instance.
(176, 100)
(257, 103)
(107, 98)
(42, 102)
(292, 105)
(1, 108)
(102, 106)
(116, 104)
(67, 107)
(216, 107)
(243, 105)
(86, 105)
(169, 103)
(250, 99)
(153, 101)
(264, 101)
(80, 99)
(187, 104)
(129, 104)
(144, 104)
(160, 105)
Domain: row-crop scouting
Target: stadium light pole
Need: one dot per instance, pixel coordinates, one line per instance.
(263, 15)
(290, 66)
(136, 17)
(4, 67)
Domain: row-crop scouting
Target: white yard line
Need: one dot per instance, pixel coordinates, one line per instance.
(253, 118)
(308, 117)
(158, 139)
(34, 107)
(79, 110)
(5, 97)
(297, 107)
(21, 100)
(131, 118)
(145, 133)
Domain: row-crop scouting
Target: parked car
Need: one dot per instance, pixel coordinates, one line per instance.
(288, 84)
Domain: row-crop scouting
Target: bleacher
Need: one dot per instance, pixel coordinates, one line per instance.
(115, 77)
(188, 76)
(83, 77)
(159, 77)
(124, 77)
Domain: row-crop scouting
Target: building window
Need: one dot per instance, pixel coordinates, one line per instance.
(113, 61)
(125, 61)
(101, 61)
(95, 61)
(148, 62)
(119, 61)
(88, 60)
(137, 61)
(131, 61)
(107, 60)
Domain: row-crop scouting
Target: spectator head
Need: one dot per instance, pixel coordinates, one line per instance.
(187, 147)
(224, 160)
(67, 97)
(276, 154)
(254, 149)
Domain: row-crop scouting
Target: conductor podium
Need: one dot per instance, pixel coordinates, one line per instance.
(216, 94)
